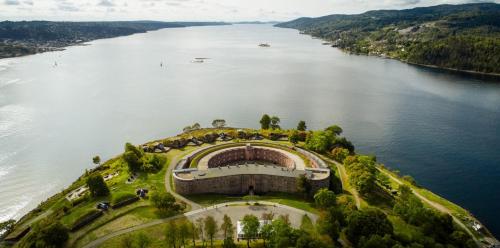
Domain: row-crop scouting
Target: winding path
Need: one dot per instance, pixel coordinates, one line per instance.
(168, 186)
(345, 181)
(435, 205)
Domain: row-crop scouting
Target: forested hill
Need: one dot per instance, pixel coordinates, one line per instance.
(463, 37)
(21, 38)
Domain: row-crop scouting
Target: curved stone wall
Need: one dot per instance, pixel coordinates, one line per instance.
(239, 170)
(249, 153)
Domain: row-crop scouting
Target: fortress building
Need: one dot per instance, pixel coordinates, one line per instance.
(246, 169)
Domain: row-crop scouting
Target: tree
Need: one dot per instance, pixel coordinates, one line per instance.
(324, 198)
(343, 142)
(366, 223)
(200, 227)
(304, 185)
(335, 129)
(282, 235)
(228, 243)
(133, 157)
(339, 154)
(96, 160)
(265, 122)
(275, 122)
(127, 241)
(196, 126)
(97, 186)
(143, 240)
(250, 227)
(294, 137)
(227, 227)
(49, 233)
(320, 141)
(171, 234)
(302, 126)
(164, 201)
(193, 231)
(218, 123)
(268, 216)
(210, 229)
(184, 232)
(331, 222)
(266, 233)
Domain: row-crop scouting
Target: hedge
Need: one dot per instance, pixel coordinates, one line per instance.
(124, 202)
(121, 197)
(86, 219)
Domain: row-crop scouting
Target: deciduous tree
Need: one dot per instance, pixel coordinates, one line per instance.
(302, 126)
(265, 122)
(97, 186)
(250, 227)
(210, 229)
(324, 198)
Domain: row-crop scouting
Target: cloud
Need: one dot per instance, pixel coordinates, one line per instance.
(199, 10)
(106, 3)
(12, 2)
(66, 5)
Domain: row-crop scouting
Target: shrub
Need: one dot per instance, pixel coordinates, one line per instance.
(122, 197)
(85, 219)
(122, 200)
(97, 186)
(47, 233)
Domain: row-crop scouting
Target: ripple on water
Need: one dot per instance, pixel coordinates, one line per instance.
(14, 119)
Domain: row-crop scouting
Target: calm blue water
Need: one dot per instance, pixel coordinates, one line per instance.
(442, 129)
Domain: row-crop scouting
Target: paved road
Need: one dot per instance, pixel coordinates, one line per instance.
(171, 167)
(220, 209)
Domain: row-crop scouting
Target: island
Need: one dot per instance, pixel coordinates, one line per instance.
(242, 187)
(31, 37)
(456, 37)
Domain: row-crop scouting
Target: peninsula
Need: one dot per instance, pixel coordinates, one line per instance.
(242, 187)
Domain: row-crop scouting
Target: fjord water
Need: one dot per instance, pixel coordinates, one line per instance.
(441, 128)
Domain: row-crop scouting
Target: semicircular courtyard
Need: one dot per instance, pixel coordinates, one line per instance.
(247, 168)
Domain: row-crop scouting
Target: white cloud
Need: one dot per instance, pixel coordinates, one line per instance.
(197, 10)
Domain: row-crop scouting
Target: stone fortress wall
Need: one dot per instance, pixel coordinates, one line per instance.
(250, 153)
(239, 170)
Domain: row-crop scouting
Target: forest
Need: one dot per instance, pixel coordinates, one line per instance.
(462, 37)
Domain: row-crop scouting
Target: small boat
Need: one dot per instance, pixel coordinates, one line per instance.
(197, 60)
(264, 45)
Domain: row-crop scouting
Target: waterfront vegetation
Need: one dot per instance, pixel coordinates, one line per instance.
(30, 37)
(366, 205)
(462, 37)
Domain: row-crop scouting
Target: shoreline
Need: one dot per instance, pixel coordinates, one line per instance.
(469, 72)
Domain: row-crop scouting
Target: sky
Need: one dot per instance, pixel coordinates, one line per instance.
(197, 10)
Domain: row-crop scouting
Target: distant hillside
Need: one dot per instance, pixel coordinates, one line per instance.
(462, 37)
(22, 38)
